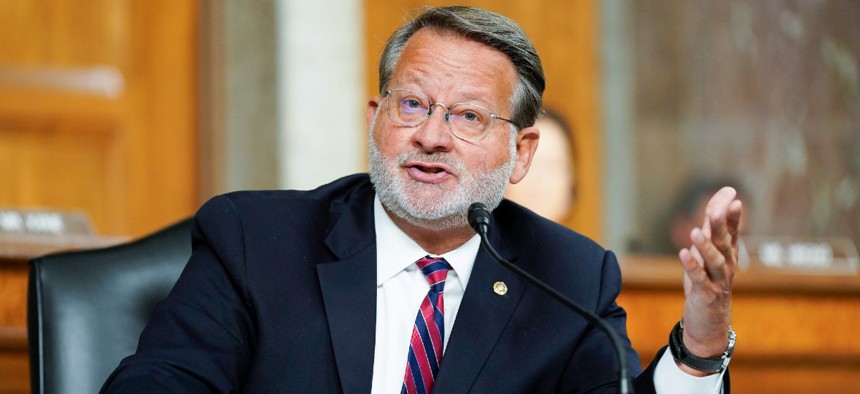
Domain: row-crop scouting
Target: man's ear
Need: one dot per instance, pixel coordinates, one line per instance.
(527, 143)
(372, 106)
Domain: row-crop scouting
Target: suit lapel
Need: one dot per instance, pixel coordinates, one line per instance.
(349, 292)
(482, 317)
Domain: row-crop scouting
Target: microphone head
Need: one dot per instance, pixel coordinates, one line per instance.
(479, 217)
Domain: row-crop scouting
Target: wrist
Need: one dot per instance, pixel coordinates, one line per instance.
(692, 362)
(712, 346)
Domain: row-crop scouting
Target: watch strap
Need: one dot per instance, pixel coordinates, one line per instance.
(682, 354)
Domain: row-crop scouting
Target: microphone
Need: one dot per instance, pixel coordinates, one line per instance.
(479, 219)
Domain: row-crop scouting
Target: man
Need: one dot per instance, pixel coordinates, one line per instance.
(318, 291)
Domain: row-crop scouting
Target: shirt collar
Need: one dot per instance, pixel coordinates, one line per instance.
(397, 252)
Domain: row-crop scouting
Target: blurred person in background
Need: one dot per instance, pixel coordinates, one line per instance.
(688, 210)
(549, 189)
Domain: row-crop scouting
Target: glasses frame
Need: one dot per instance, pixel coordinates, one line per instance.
(446, 115)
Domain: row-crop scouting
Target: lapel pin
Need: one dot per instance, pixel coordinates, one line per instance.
(500, 288)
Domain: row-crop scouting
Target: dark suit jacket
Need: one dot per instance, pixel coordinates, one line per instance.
(279, 296)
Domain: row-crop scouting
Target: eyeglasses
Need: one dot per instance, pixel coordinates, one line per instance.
(466, 121)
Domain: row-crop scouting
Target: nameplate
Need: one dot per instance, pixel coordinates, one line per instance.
(43, 222)
(803, 255)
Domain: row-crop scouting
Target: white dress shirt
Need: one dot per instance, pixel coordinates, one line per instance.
(400, 288)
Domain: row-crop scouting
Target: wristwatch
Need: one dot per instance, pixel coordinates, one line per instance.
(680, 352)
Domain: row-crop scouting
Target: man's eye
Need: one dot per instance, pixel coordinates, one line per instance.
(470, 116)
(408, 103)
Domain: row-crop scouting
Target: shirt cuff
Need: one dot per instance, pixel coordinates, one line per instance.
(669, 378)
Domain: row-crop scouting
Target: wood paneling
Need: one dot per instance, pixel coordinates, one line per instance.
(97, 114)
(14, 364)
(14, 372)
(565, 34)
(97, 110)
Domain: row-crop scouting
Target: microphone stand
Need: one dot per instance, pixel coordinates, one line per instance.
(479, 218)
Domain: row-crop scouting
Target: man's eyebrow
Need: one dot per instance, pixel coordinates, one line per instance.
(466, 97)
(409, 78)
(474, 97)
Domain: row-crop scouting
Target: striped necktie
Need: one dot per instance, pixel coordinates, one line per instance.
(425, 348)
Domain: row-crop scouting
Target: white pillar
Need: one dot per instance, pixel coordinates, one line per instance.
(321, 98)
(620, 174)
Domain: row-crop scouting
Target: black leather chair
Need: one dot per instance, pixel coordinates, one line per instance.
(86, 309)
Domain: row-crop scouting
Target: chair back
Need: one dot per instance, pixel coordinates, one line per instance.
(86, 309)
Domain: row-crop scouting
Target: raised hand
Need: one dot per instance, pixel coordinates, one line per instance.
(710, 265)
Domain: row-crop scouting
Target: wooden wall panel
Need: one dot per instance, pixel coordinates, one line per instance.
(97, 114)
(565, 34)
(37, 33)
(14, 367)
(162, 89)
(84, 152)
(98, 110)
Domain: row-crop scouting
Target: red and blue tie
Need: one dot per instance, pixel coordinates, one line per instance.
(425, 348)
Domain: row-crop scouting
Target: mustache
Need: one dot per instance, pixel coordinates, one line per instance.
(430, 158)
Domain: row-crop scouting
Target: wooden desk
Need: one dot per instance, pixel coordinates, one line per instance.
(796, 334)
(15, 252)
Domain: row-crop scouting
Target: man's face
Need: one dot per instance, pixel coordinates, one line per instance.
(425, 175)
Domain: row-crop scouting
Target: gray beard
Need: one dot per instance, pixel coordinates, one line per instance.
(446, 213)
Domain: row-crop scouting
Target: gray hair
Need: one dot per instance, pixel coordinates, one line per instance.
(489, 28)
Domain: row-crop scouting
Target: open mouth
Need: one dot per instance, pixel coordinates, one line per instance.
(429, 170)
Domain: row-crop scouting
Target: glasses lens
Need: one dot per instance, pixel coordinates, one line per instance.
(470, 121)
(409, 108)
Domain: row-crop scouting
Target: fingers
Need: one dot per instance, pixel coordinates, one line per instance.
(721, 200)
(691, 261)
(697, 256)
(717, 205)
(714, 252)
(713, 257)
(722, 221)
(721, 235)
(733, 219)
(717, 209)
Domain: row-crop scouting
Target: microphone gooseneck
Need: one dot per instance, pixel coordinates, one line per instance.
(479, 219)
